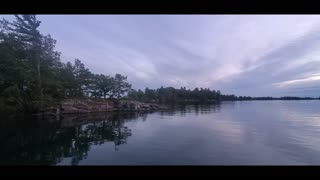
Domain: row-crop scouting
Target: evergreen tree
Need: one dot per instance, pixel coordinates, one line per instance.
(119, 86)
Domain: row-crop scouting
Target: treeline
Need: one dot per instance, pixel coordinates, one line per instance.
(170, 94)
(32, 75)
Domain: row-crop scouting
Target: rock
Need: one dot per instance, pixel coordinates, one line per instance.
(77, 106)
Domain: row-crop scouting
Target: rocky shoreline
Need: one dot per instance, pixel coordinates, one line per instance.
(72, 106)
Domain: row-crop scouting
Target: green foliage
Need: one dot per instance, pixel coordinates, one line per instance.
(170, 94)
(11, 96)
(119, 86)
(28, 63)
(32, 76)
(102, 86)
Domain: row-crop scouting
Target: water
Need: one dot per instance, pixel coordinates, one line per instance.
(230, 133)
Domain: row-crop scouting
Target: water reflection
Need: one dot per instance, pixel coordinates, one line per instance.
(29, 140)
(183, 109)
(257, 132)
(48, 141)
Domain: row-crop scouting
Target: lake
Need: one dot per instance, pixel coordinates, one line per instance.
(228, 133)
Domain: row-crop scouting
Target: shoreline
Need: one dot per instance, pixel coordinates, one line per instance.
(88, 106)
(83, 106)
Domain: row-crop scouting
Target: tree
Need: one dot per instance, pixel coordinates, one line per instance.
(119, 86)
(150, 94)
(51, 67)
(218, 94)
(133, 94)
(103, 85)
(25, 29)
(68, 80)
(82, 77)
(76, 79)
(13, 64)
(35, 64)
(141, 95)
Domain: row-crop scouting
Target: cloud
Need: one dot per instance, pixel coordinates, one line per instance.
(240, 54)
(297, 59)
(298, 81)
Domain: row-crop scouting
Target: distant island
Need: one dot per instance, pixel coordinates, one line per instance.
(33, 79)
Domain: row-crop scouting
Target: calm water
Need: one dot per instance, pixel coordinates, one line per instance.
(230, 133)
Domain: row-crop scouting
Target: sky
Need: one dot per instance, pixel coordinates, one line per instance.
(256, 55)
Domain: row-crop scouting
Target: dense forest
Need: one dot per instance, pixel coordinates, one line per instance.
(32, 75)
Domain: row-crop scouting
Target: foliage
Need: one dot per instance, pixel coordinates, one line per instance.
(33, 77)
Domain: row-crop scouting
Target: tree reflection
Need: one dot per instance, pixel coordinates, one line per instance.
(45, 142)
(185, 108)
(48, 141)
